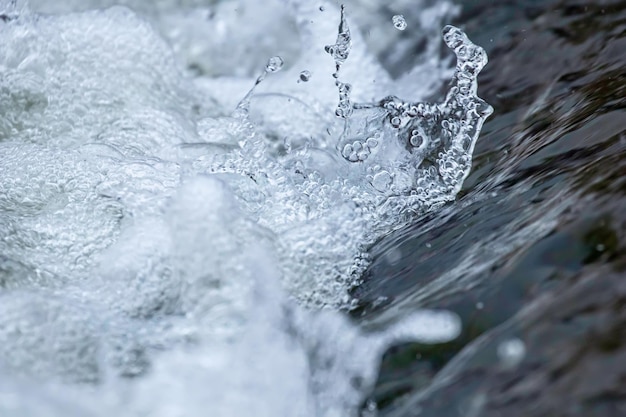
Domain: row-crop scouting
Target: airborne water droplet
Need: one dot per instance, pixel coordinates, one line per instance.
(341, 49)
(399, 22)
(511, 352)
(274, 64)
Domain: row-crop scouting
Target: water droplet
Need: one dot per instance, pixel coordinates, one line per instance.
(511, 352)
(399, 22)
(305, 75)
(480, 305)
(341, 49)
(274, 64)
(370, 409)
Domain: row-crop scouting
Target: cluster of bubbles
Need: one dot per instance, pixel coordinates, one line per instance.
(359, 151)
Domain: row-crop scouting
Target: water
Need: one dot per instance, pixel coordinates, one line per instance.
(185, 228)
(399, 22)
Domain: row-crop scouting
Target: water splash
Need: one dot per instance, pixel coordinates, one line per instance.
(274, 64)
(386, 162)
(339, 52)
(164, 243)
(341, 48)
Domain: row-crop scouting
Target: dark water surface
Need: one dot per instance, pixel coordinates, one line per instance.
(533, 253)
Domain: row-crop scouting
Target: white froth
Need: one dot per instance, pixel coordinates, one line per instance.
(157, 249)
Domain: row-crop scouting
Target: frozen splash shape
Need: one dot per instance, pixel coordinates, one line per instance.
(380, 165)
(426, 155)
(422, 151)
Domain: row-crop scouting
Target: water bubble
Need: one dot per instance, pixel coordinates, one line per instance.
(274, 64)
(305, 75)
(347, 150)
(322, 8)
(399, 22)
(371, 143)
(417, 140)
(382, 181)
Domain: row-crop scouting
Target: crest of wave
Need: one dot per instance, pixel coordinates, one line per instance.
(141, 218)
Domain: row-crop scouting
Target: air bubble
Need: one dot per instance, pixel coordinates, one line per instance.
(305, 75)
(382, 181)
(417, 140)
(399, 22)
(347, 150)
(274, 64)
(371, 143)
(396, 122)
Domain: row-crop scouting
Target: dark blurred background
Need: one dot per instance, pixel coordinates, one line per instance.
(532, 256)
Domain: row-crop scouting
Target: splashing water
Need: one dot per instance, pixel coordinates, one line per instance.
(154, 241)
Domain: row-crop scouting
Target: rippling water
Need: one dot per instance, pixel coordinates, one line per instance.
(165, 254)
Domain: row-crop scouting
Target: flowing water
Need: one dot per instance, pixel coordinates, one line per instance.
(224, 207)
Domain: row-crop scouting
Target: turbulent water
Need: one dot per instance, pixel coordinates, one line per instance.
(224, 207)
(169, 234)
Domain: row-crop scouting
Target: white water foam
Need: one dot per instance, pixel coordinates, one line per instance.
(153, 241)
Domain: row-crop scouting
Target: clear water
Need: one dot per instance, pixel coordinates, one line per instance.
(177, 244)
